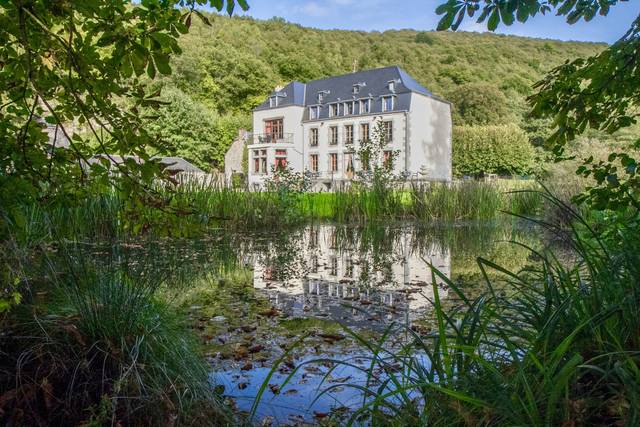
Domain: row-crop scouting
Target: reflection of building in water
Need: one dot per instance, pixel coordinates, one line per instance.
(347, 283)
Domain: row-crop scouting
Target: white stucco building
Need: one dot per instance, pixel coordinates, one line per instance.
(317, 127)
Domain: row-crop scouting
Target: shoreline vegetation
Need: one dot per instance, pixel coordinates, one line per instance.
(192, 208)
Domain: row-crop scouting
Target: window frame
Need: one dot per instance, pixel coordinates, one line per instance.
(334, 141)
(333, 166)
(314, 137)
(314, 162)
(349, 134)
(368, 126)
(366, 102)
(388, 131)
(281, 159)
(384, 103)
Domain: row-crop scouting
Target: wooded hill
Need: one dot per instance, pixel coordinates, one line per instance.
(229, 67)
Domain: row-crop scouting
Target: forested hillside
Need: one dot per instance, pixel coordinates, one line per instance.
(228, 68)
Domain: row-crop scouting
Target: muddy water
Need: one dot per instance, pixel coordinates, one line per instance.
(282, 307)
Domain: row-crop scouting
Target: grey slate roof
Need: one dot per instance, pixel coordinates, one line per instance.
(374, 85)
(171, 164)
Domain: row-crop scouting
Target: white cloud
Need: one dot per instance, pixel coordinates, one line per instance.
(312, 9)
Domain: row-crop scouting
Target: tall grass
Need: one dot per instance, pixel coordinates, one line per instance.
(560, 347)
(195, 207)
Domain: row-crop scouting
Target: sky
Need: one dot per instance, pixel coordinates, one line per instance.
(381, 15)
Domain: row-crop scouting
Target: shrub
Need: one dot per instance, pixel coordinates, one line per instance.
(503, 150)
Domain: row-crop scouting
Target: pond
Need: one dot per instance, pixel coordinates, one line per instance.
(281, 305)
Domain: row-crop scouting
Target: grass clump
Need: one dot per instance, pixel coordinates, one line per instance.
(104, 349)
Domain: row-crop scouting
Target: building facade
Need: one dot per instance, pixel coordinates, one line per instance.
(318, 127)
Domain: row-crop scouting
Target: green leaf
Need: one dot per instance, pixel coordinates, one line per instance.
(151, 70)
(494, 20)
(162, 63)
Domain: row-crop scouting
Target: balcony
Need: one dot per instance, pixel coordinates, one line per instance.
(270, 138)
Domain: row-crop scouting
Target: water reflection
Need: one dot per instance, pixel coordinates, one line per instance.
(345, 275)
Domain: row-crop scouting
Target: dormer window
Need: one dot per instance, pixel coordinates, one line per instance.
(356, 89)
(365, 106)
(392, 86)
(333, 110)
(273, 101)
(320, 97)
(387, 103)
(314, 112)
(348, 108)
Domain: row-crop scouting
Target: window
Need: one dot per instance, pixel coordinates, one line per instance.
(333, 162)
(259, 161)
(348, 134)
(333, 135)
(333, 266)
(388, 159)
(348, 268)
(274, 130)
(315, 264)
(348, 108)
(320, 97)
(314, 112)
(313, 162)
(392, 86)
(365, 106)
(333, 110)
(364, 132)
(387, 103)
(356, 89)
(388, 131)
(348, 163)
(273, 101)
(281, 159)
(313, 137)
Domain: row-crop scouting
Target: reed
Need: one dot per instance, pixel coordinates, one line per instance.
(559, 347)
(194, 207)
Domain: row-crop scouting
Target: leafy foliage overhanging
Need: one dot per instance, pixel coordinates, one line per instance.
(600, 92)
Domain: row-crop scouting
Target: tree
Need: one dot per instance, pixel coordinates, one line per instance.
(478, 104)
(601, 92)
(190, 130)
(72, 62)
(503, 150)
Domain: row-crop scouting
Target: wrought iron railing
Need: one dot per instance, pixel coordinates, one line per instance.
(270, 138)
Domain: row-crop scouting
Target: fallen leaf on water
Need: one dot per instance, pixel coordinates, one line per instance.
(332, 337)
(290, 391)
(241, 353)
(320, 414)
(275, 389)
(242, 386)
(256, 348)
(247, 366)
(272, 312)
